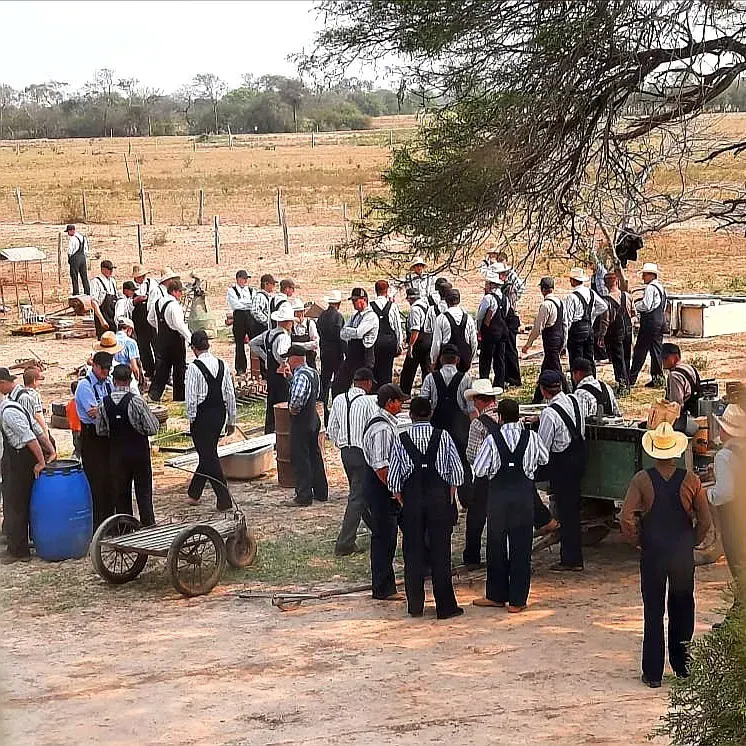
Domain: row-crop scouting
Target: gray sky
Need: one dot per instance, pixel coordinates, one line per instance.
(162, 44)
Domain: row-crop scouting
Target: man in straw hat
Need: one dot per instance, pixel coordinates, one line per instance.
(147, 292)
(674, 518)
(724, 495)
(418, 279)
(652, 312)
(304, 332)
(418, 341)
(508, 459)
(331, 348)
(492, 325)
(582, 307)
(271, 347)
(172, 337)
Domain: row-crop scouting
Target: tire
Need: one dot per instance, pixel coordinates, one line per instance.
(241, 548)
(196, 560)
(116, 565)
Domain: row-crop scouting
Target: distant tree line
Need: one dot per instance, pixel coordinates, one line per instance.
(108, 104)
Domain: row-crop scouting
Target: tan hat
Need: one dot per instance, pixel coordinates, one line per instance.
(493, 277)
(108, 344)
(578, 274)
(482, 387)
(334, 297)
(418, 260)
(649, 268)
(138, 270)
(664, 442)
(169, 274)
(733, 421)
(284, 313)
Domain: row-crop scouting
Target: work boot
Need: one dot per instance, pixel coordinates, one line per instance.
(485, 602)
(516, 609)
(650, 683)
(548, 528)
(458, 611)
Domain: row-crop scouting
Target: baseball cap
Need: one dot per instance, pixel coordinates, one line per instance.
(550, 379)
(242, 274)
(296, 351)
(358, 293)
(449, 349)
(70, 227)
(129, 285)
(413, 293)
(363, 374)
(199, 340)
(547, 283)
(108, 264)
(6, 375)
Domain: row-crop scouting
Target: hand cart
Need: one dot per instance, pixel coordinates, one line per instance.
(195, 553)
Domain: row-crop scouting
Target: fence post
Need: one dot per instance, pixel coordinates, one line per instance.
(279, 206)
(201, 207)
(230, 138)
(129, 148)
(18, 148)
(285, 237)
(360, 199)
(150, 208)
(313, 139)
(59, 258)
(139, 243)
(143, 215)
(85, 209)
(20, 204)
(391, 139)
(127, 166)
(217, 239)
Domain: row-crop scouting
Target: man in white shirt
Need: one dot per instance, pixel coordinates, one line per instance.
(104, 298)
(582, 307)
(147, 292)
(652, 313)
(492, 325)
(173, 334)
(390, 340)
(348, 417)
(304, 332)
(418, 278)
(77, 253)
(596, 397)
(360, 333)
(125, 306)
(418, 342)
(240, 299)
(457, 327)
(210, 402)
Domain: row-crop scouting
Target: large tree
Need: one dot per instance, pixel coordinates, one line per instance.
(558, 115)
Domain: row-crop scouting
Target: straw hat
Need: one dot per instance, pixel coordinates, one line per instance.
(418, 260)
(733, 421)
(297, 304)
(169, 274)
(493, 277)
(578, 274)
(482, 387)
(499, 268)
(139, 270)
(108, 344)
(284, 313)
(664, 442)
(334, 297)
(649, 268)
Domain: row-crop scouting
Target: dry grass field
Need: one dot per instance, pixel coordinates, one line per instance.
(87, 663)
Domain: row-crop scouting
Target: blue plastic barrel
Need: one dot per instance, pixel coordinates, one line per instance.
(61, 514)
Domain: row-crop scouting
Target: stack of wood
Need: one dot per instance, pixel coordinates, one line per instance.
(74, 321)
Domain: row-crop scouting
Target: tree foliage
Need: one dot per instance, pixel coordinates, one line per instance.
(557, 116)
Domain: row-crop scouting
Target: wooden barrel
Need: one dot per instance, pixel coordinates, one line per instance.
(256, 366)
(59, 407)
(283, 423)
(160, 412)
(58, 422)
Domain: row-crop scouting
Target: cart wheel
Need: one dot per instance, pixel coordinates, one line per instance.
(116, 565)
(240, 548)
(195, 560)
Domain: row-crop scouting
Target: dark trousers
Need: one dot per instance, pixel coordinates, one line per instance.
(615, 351)
(384, 531)
(383, 367)
(131, 465)
(508, 557)
(581, 347)
(426, 523)
(627, 349)
(79, 273)
(330, 364)
(146, 344)
(95, 455)
(551, 361)
(278, 390)
(420, 358)
(492, 356)
(308, 465)
(241, 327)
(18, 480)
(567, 498)
(170, 360)
(512, 361)
(205, 432)
(649, 340)
(658, 569)
(354, 465)
(476, 519)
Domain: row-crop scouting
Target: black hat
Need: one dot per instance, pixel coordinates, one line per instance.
(242, 274)
(413, 293)
(358, 293)
(129, 285)
(363, 374)
(547, 283)
(200, 340)
(6, 375)
(108, 264)
(296, 351)
(70, 227)
(549, 379)
(449, 349)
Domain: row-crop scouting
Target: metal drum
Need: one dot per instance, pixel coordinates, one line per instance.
(285, 473)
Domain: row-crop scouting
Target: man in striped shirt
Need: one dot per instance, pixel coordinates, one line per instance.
(349, 414)
(377, 442)
(509, 458)
(305, 452)
(260, 305)
(424, 471)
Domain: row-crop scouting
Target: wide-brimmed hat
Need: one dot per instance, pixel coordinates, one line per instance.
(493, 277)
(664, 442)
(482, 387)
(284, 313)
(108, 343)
(733, 421)
(578, 274)
(499, 268)
(138, 270)
(649, 268)
(418, 260)
(169, 274)
(297, 304)
(6, 375)
(335, 296)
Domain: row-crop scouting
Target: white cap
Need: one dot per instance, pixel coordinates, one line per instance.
(649, 268)
(334, 297)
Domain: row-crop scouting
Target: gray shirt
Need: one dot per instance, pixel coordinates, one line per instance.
(18, 427)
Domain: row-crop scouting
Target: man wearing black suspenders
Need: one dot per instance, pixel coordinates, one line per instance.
(210, 404)
(349, 414)
(424, 472)
(582, 306)
(305, 425)
(104, 298)
(76, 258)
(389, 341)
(652, 312)
(148, 291)
(596, 397)
(455, 326)
(239, 299)
(493, 328)
(683, 386)
(619, 331)
(562, 429)
(418, 342)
